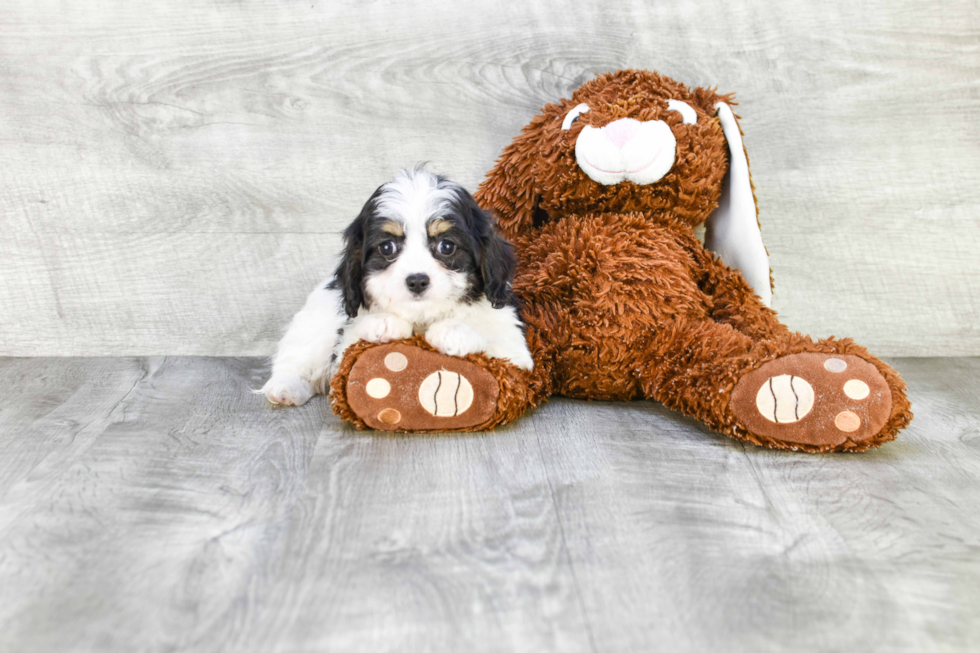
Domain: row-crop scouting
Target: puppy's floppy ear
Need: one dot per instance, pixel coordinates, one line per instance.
(733, 231)
(497, 261)
(498, 265)
(350, 273)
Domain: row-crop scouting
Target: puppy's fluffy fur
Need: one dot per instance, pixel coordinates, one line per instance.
(421, 258)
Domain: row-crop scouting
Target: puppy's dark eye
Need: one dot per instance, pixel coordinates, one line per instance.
(387, 248)
(446, 247)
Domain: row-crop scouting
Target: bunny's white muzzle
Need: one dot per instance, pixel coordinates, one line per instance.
(626, 150)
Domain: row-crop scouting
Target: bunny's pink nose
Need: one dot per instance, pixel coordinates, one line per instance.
(621, 131)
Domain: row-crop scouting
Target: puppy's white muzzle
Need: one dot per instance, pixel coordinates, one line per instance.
(626, 150)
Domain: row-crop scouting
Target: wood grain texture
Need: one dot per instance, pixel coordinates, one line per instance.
(156, 505)
(174, 175)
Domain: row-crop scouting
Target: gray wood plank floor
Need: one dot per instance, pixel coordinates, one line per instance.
(156, 505)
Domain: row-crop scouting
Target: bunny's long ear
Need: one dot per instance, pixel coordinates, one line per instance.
(508, 190)
(733, 231)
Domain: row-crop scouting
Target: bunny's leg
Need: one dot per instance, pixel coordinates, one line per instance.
(733, 302)
(407, 386)
(787, 393)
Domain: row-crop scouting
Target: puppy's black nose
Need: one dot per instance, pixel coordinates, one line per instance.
(417, 283)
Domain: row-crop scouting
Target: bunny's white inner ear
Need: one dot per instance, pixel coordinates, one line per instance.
(733, 229)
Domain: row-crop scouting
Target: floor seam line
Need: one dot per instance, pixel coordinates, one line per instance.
(564, 546)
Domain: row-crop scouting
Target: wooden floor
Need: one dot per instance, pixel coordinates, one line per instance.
(157, 505)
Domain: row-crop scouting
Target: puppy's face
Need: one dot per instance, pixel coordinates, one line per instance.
(420, 245)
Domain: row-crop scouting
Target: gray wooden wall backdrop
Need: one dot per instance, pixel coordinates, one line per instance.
(172, 174)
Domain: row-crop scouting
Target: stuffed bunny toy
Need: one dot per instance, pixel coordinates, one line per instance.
(600, 195)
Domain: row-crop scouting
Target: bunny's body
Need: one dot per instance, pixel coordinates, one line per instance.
(598, 289)
(600, 195)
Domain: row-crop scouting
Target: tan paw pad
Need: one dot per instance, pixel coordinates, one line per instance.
(847, 421)
(834, 365)
(856, 389)
(396, 361)
(390, 416)
(445, 394)
(378, 388)
(785, 399)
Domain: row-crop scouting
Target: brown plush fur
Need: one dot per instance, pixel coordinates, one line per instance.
(621, 299)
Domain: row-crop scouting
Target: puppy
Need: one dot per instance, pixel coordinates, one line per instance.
(421, 258)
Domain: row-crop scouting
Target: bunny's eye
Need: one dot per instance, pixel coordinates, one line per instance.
(573, 115)
(688, 116)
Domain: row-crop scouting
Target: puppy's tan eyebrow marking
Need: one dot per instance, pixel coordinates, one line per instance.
(439, 226)
(393, 228)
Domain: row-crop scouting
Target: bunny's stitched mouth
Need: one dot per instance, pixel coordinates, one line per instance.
(628, 172)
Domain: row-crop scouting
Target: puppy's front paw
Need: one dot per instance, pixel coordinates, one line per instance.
(383, 327)
(455, 338)
(521, 359)
(288, 390)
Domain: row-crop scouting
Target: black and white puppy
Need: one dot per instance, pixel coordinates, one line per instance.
(421, 258)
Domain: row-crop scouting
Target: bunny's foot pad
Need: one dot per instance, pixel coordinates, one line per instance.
(403, 388)
(831, 401)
